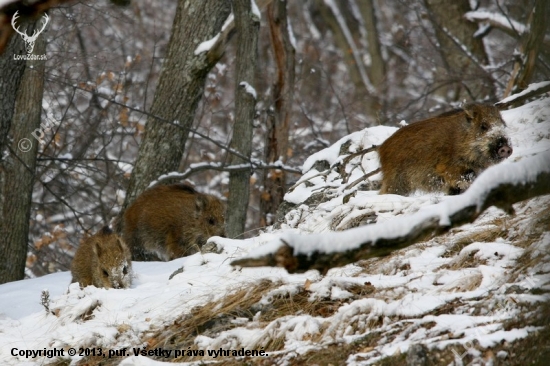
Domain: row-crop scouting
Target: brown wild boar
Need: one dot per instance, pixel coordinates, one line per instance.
(443, 153)
(171, 221)
(102, 260)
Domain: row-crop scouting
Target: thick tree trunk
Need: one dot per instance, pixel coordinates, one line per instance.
(462, 54)
(532, 43)
(276, 147)
(178, 92)
(247, 25)
(10, 77)
(17, 171)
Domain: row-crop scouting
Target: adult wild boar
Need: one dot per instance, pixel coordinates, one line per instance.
(444, 153)
(171, 221)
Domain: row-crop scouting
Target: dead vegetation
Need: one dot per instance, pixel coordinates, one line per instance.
(264, 306)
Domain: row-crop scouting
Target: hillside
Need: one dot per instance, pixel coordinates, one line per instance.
(475, 294)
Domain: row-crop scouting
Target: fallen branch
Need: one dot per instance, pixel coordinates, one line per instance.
(517, 99)
(363, 178)
(501, 186)
(347, 159)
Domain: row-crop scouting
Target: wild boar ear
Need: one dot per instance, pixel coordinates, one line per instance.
(119, 243)
(470, 112)
(200, 202)
(97, 249)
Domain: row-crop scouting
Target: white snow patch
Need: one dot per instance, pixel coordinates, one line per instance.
(249, 89)
(207, 45)
(398, 297)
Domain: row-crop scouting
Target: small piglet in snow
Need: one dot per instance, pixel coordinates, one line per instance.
(103, 260)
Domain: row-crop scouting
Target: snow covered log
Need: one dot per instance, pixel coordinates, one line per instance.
(533, 90)
(500, 186)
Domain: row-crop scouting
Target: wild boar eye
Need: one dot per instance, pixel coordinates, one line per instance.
(105, 273)
(484, 127)
(212, 221)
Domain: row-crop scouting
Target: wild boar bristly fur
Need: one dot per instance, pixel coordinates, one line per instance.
(171, 221)
(443, 153)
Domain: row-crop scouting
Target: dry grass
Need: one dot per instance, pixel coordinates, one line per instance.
(522, 230)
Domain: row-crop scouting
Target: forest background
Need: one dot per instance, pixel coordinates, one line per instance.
(126, 97)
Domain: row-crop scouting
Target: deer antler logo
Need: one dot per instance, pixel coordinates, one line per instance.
(29, 40)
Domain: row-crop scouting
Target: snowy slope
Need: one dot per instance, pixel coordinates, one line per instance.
(458, 293)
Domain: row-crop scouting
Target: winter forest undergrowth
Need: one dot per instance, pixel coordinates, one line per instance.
(478, 293)
(324, 270)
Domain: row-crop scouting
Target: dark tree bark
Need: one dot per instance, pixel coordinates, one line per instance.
(10, 77)
(17, 171)
(247, 25)
(464, 77)
(278, 121)
(178, 92)
(530, 48)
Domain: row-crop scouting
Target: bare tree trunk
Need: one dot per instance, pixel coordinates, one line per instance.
(178, 92)
(343, 38)
(533, 40)
(377, 67)
(462, 54)
(10, 77)
(332, 14)
(276, 147)
(19, 166)
(247, 25)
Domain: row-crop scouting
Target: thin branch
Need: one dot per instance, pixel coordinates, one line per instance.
(347, 159)
(134, 109)
(45, 185)
(363, 178)
(196, 168)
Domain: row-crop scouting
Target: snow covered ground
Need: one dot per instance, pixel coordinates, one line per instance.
(459, 292)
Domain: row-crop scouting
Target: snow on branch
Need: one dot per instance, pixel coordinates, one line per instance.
(196, 168)
(501, 186)
(249, 89)
(499, 21)
(463, 47)
(532, 91)
(216, 45)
